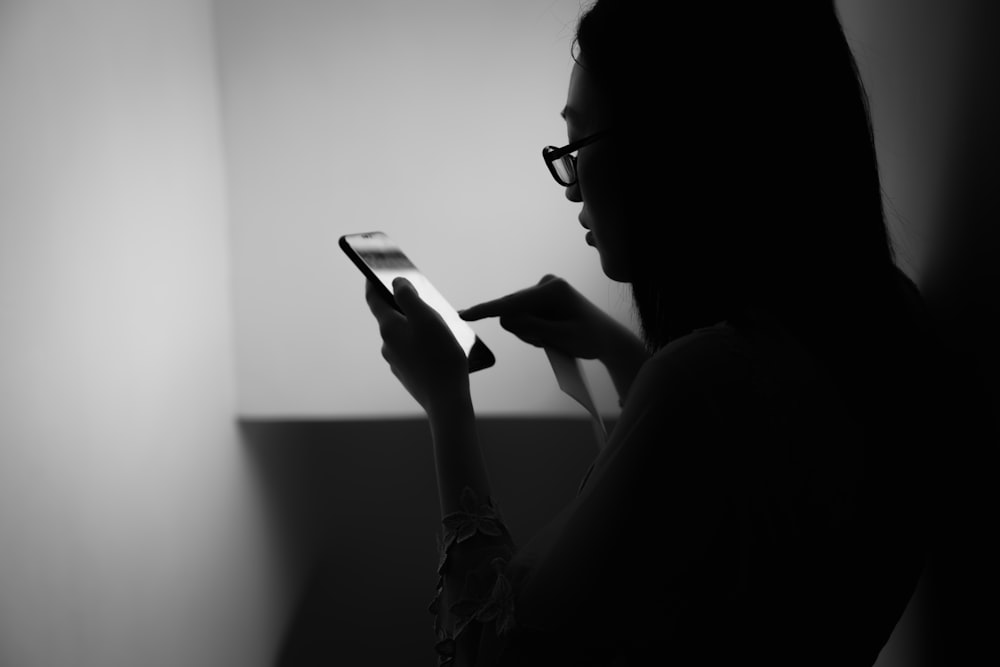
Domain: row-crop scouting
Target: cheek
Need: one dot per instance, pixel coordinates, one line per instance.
(595, 181)
(602, 196)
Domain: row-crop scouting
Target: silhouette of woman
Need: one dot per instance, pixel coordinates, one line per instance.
(763, 496)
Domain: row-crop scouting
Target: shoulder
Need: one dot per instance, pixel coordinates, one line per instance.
(729, 382)
(699, 362)
(688, 394)
(712, 349)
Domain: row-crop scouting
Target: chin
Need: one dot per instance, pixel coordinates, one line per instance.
(615, 272)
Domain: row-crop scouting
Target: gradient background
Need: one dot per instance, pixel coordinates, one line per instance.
(204, 461)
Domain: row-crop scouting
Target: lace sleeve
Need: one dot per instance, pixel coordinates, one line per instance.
(474, 604)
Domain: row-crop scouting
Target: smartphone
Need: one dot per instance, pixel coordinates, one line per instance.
(382, 261)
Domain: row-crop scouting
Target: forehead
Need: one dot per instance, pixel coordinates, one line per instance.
(585, 107)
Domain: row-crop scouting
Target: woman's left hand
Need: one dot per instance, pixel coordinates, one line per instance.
(420, 348)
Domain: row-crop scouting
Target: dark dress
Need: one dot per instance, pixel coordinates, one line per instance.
(737, 515)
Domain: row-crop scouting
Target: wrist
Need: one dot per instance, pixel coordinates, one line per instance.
(453, 404)
(457, 456)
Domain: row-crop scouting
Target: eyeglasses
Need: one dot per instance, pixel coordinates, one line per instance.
(562, 161)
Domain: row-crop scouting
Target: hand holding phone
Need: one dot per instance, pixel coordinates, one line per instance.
(382, 261)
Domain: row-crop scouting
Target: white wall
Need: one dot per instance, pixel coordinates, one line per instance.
(422, 119)
(130, 531)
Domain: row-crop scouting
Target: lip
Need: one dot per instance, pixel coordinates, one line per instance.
(589, 238)
(582, 223)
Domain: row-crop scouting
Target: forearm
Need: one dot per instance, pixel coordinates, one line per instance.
(457, 455)
(473, 595)
(623, 357)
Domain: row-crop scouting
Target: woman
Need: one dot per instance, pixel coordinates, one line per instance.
(762, 495)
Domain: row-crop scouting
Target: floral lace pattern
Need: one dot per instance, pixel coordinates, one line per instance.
(487, 595)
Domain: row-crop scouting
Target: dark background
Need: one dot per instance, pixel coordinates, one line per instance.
(358, 504)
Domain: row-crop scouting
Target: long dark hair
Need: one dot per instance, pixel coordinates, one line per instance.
(760, 186)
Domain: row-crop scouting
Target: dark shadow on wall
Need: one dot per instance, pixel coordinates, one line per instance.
(355, 504)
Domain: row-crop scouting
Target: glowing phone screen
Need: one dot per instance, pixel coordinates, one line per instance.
(387, 262)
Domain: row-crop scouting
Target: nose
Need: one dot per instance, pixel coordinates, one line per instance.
(573, 192)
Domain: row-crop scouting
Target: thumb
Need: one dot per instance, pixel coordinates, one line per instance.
(408, 299)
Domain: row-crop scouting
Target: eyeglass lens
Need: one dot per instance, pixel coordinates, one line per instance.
(565, 169)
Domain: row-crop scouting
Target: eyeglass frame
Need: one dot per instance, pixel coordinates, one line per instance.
(550, 154)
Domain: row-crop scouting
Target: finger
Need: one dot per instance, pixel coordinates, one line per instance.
(522, 300)
(537, 331)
